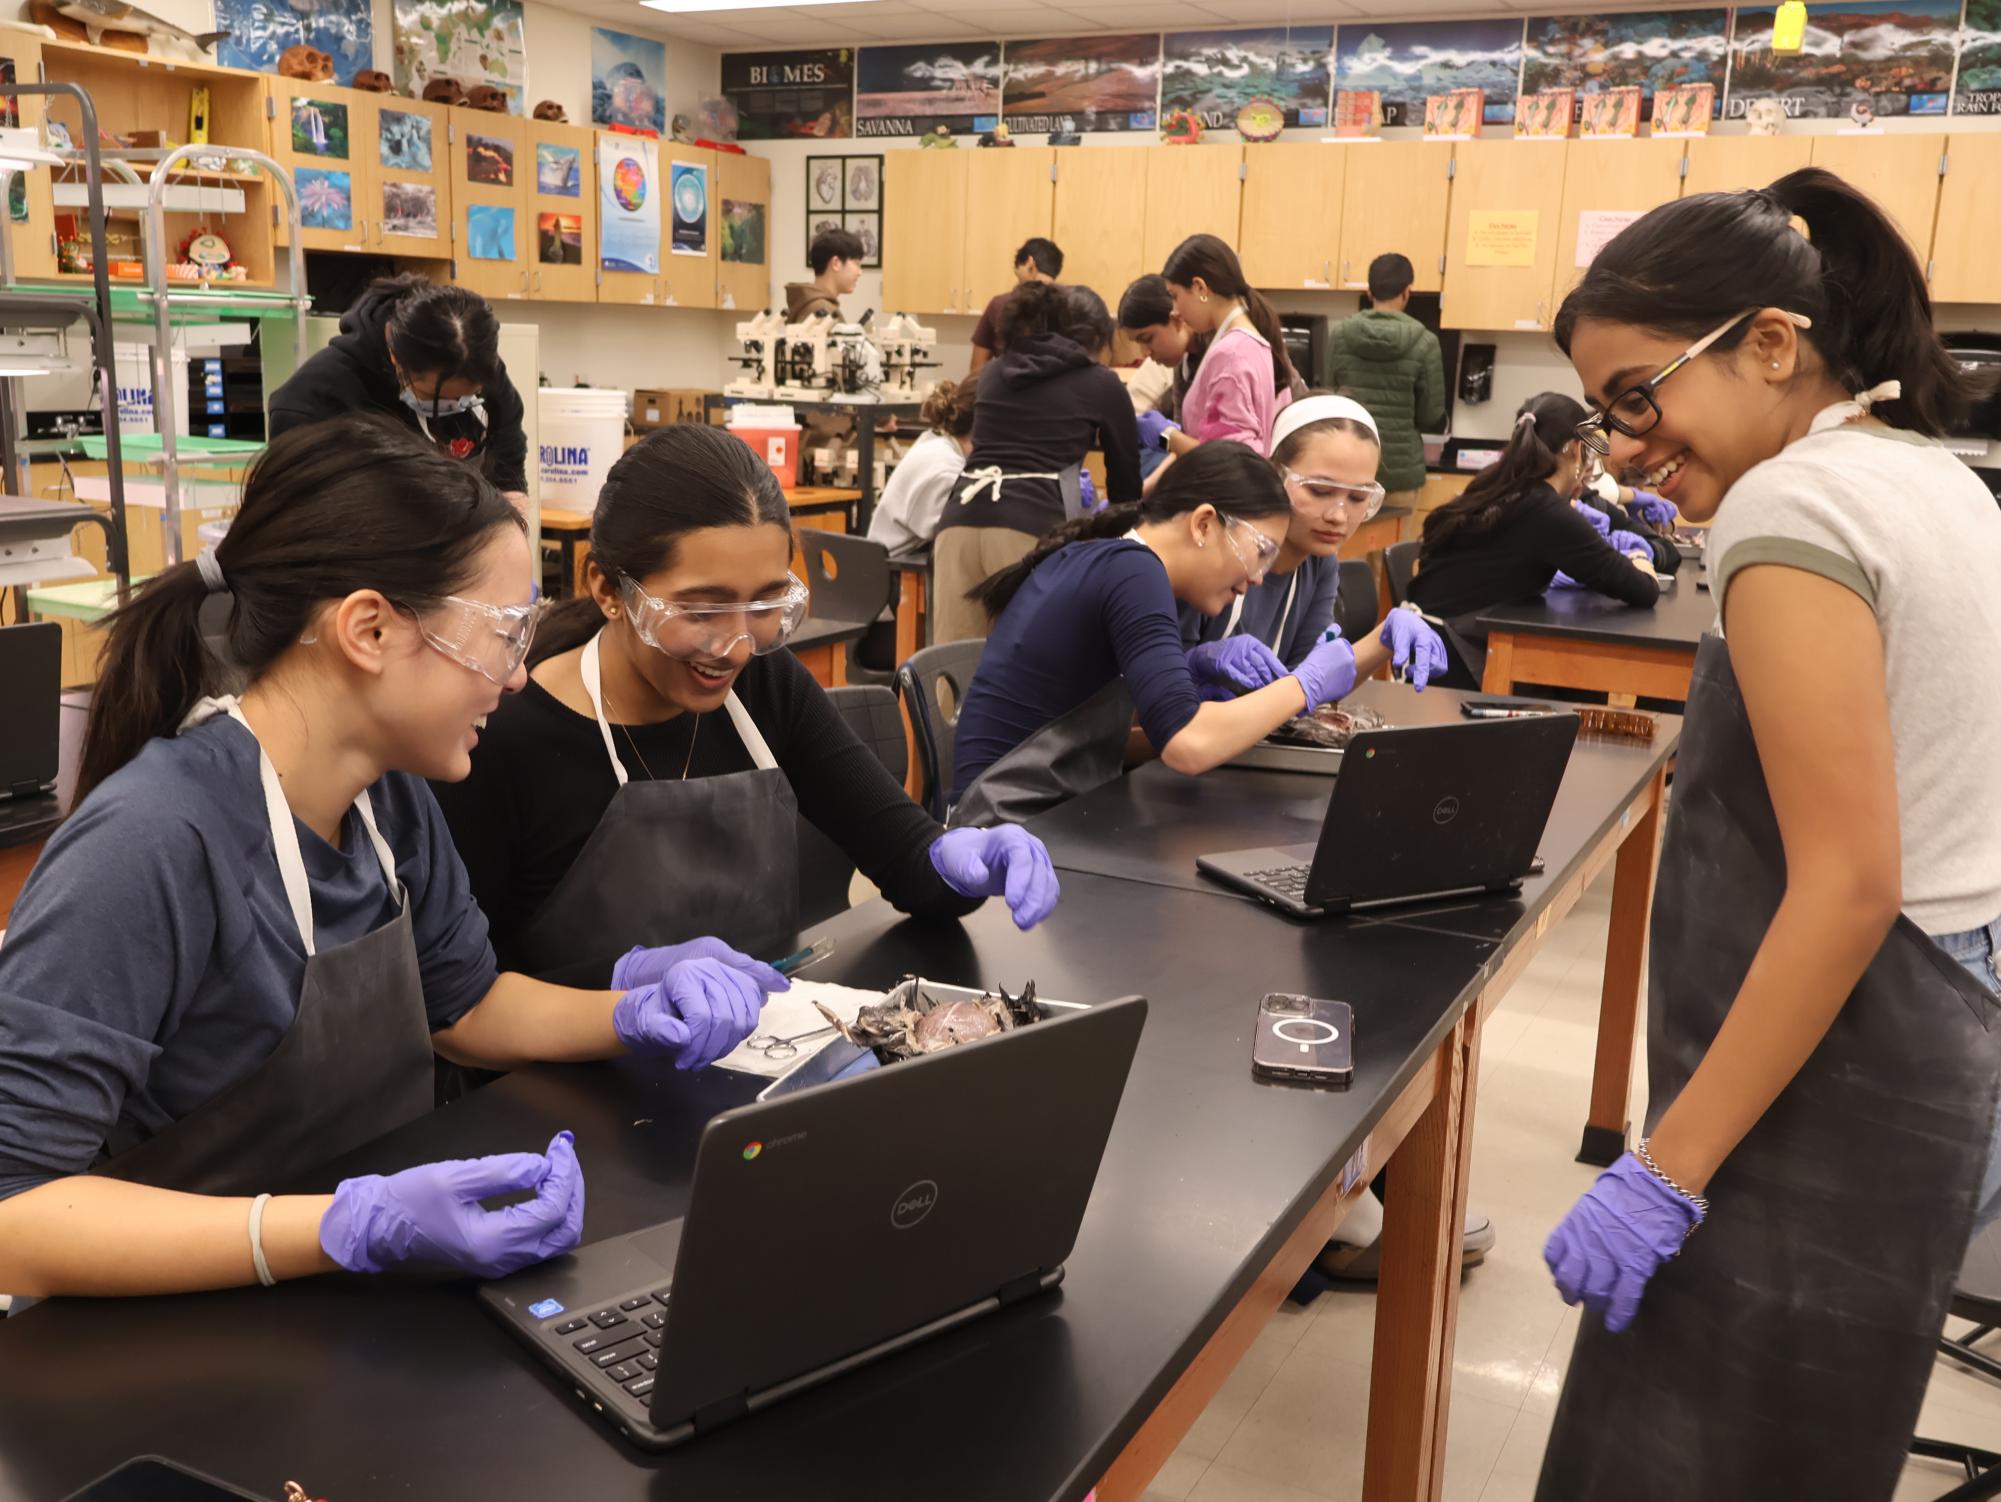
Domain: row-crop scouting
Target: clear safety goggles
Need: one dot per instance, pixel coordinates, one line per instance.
(1318, 496)
(492, 640)
(1264, 552)
(708, 632)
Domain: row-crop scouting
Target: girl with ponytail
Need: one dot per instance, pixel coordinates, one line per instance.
(1244, 375)
(251, 938)
(1086, 634)
(1823, 1048)
(1514, 530)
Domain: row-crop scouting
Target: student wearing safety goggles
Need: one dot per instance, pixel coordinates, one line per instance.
(646, 785)
(1086, 636)
(427, 354)
(240, 955)
(1326, 450)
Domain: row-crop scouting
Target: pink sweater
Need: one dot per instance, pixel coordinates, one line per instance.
(1231, 395)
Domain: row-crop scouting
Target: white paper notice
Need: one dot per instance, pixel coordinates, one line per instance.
(1598, 228)
(792, 1015)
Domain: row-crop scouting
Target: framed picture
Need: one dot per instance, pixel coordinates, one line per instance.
(845, 192)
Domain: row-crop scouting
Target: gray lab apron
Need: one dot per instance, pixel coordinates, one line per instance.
(1081, 749)
(671, 861)
(1785, 1352)
(355, 1063)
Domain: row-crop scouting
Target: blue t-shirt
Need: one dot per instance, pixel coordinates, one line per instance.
(153, 959)
(1089, 612)
(1287, 612)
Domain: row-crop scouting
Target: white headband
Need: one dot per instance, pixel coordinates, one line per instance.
(1311, 409)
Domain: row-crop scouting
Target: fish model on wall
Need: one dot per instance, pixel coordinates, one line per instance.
(99, 16)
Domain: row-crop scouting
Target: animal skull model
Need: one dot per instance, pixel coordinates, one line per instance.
(1767, 117)
(370, 81)
(444, 91)
(484, 96)
(308, 63)
(548, 109)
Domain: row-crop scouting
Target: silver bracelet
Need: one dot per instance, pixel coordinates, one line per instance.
(257, 1241)
(1647, 1162)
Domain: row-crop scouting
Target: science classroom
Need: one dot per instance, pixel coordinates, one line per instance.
(1229, 911)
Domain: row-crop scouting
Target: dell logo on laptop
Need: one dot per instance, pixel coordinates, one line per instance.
(1446, 812)
(913, 1204)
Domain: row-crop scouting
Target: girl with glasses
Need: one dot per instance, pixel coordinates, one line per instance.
(646, 785)
(240, 955)
(1514, 529)
(1326, 451)
(1766, 1274)
(1086, 636)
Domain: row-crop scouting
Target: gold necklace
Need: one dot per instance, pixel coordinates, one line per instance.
(611, 710)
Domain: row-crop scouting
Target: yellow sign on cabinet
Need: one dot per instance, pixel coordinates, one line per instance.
(1501, 237)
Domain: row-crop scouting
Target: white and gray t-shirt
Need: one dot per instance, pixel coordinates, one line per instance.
(1897, 519)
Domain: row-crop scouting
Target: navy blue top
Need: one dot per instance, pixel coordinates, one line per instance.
(153, 959)
(1089, 612)
(1291, 632)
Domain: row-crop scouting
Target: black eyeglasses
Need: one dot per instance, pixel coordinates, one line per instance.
(1634, 412)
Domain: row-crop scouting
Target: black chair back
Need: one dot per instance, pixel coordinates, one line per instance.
(1355, 600)
(850, 580)
(1399, 564)
(933, 684)
(825, 869)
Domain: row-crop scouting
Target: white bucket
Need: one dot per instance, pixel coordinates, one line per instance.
(135, 389)
(581, 433)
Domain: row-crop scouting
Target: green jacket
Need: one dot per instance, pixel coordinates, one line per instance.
(1391, 364)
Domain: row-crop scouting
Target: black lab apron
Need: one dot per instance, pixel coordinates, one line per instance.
(355, 1063)
(1079, 750)
(671, 861)
(1785, 1352)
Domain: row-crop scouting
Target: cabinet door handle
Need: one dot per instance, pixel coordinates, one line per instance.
(1326, 271)
(1538, 311)
(538, 282)
(1344, 272)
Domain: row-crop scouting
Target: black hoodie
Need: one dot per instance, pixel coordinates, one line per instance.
(353, 374)
(1044, 402)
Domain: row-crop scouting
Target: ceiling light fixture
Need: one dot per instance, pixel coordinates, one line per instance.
(703, 7)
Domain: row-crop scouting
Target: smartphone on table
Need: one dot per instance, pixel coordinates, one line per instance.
(1304, 1040)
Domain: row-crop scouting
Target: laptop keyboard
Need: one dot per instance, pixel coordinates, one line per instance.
(1287, 881)
(622, 1341)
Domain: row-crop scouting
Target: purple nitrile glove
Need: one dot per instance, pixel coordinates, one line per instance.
(1600, 522)
(1415, 648)
(1154, 428)
(1616, 1237)
(1631, 542)
(1087, 492)
(1564, 581)
(432, 1214)
(1005, 861)
(702, 1010)
(1239, 662)
(1652, 509)
(1328, 671)
(642, 966)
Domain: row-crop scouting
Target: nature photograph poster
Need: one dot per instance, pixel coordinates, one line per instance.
(471, 41)
(410, 209)
(403, 140)
(559, 170)
(319, 128)
(908, 91)
(1651, 50)
(489, 160)
(1081, 84)
(1894, 55)
(1978, 88)
(259, 31)
(489, 232)
(1409, 61)
(743, 232)
(629, 204)
(789, 96)
(326, 199)
(1213, 74)
(628, 81)
(559, 239)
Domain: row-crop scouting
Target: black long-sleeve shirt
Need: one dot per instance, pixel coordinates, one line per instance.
(1518, 560)
(1043, 403)
(540, 783)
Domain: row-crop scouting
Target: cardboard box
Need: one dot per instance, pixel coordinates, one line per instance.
(658, 408)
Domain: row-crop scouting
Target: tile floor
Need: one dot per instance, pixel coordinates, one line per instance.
(1288, 1425)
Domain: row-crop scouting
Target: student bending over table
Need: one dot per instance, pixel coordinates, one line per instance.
(1514, 530)
(236, 959)
(1086, 632)
(646, 783)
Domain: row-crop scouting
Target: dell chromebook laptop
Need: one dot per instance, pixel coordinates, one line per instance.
(1421, 812)
(876, 1211)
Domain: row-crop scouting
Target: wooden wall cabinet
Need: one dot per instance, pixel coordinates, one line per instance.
(1901, 172)
(491, 169)
(1394, 197)
(1099, 210)
(688, 281)
(633, 288)
(744, 283)
(1291, 225)
(1609, 177)
(410, 194)
(1010, 197)
(1724, 164)
(1965, 265)
(1489, 285)
(1190, 190)
(924, 240)
(326, 138)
